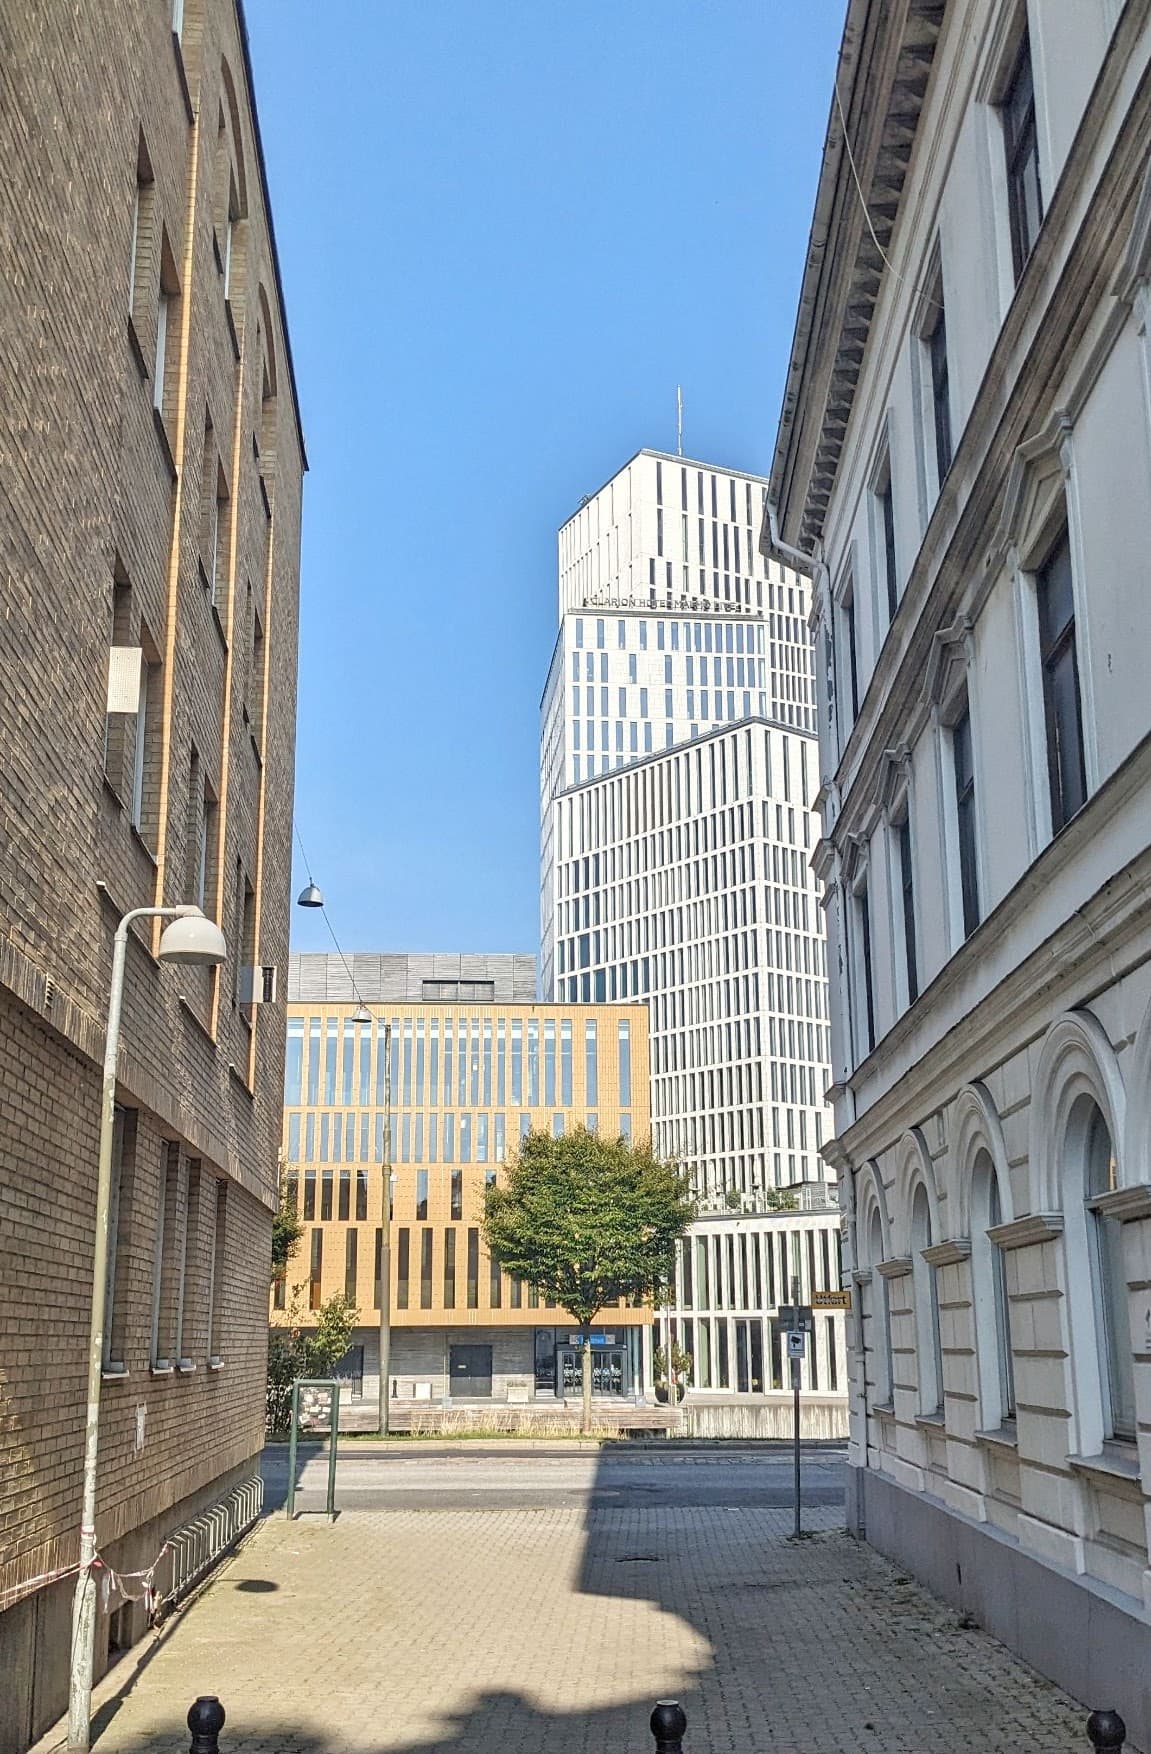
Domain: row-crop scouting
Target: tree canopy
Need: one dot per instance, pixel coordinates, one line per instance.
(588, 1220)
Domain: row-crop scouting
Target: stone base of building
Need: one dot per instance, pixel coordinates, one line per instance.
(1093, 1642)
(35, 1634)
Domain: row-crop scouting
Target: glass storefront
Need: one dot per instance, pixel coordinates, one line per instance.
(616, 1361)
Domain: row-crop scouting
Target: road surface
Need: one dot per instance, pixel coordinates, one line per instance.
(474, 1476)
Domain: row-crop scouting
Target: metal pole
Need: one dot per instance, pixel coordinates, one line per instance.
(795, 1369)
(290, 1506)
(84, 1601)
(386, 1244)
(795, 1363)
(332, 1441)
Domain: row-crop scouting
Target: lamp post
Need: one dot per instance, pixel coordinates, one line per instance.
(387, 1183)
(189, 939)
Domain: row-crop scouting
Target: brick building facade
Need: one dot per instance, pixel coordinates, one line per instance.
(150, 471)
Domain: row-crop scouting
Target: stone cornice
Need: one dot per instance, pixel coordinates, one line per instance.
(1125, 1203)
(1025, 1232)
(897, 1268)
(948, 1254)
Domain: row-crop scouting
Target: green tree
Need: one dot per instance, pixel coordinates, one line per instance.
(588, 1220)
(295, 1351)
(287, 1229)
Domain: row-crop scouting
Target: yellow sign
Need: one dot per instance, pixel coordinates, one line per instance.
(831, 1300)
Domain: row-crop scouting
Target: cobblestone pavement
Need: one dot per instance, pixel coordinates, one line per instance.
(523, 1630)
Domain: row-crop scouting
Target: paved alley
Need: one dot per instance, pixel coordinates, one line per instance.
(517, 1630)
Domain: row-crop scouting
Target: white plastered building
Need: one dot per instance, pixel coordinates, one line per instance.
(965, 455)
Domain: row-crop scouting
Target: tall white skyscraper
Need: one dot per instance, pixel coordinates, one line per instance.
(678, 777)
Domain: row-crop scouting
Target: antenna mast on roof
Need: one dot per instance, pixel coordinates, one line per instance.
(679, 420)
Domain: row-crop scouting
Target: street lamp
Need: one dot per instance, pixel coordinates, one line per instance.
(190, 938)
(310, 896)
(387, 1187)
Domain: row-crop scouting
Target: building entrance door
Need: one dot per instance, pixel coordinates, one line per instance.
(608, 1370)
(470, 1372)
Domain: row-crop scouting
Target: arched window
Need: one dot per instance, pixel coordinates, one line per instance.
(992, 1302)
(1089, 1139)
(880, 1320)
(926, 1290)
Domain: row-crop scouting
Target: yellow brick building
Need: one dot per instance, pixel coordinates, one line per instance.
(464, 1071)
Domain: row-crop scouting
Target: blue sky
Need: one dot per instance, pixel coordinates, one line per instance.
(507, 230)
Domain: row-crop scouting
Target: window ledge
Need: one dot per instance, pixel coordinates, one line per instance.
(897, 1268)
(1024, 1232)
(219, 621)
(239, 1079)
(232, 328)
(1125, 1203)
(215, 1364)
(114, 1372)
(884, 1410)
(165, 444)
(182, 75)
(135, 344)
(931, 1421)
(162, 1368)
(185, 1366)
(190, 1011)
(1118, 1461)
(1002, 1436)
(948, 1254)
(112, 790)
(143, 845)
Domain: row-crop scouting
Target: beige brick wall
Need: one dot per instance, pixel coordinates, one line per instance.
(98, 485)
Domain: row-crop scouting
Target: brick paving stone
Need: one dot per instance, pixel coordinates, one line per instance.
(521, 1630)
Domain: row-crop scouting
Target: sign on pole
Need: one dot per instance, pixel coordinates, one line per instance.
(831, 1299)
(796, 1344)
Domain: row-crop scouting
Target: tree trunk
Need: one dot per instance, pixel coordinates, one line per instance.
(585, 1332)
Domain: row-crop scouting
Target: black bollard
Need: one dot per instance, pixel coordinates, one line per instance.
(1106, 1730)
(206, 1720)
(668, 1722)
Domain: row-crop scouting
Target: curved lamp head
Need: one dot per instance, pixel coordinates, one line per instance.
(193, 939)
(361, 1014)
(310, 897)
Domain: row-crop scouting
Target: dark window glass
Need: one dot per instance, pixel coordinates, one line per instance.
(426, 1264)
(473, 1269)
(316, 1270)
(449, 1269)
(965, 810)
(377, 1268)
(865, 955)
(887, 513)
(940, 394)
(351, 1246)
(421, 1193)
(361, 1195)
(1024, 195)
(907, 885)
(1065, 768)
(403, 1267)
(457, 1193)
(852, 660)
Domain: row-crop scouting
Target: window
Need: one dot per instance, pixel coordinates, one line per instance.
(457, 1206)
(1020, 139)
(475, 992)
(880, 1326)
(351, 1263)
(216, 1283)
(926, 1286)
(146, 753)
(848, 665)
(936, 341)
(422, 1193)
(142, 259)
(316, 1270)
(449, 1269)
(116, 1288)
(1066, 771)
(1109, 1275)
(965, 815)
(907, 903)
(885, 504)
(473, 1268)
(1004, 1352)
(624, 1062)
(166, 1260)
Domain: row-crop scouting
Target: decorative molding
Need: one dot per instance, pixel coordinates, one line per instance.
(1034, 483)
(1135, 269)
(1124, 1203)
(948, 1254)
(897, 1268)
(950, 649)
(861, 1276)
(893, 779)
(1023, 1233)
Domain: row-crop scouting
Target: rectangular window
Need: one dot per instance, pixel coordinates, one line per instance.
(1021, 145)
(361, 1195)
(316, 1270)
(965, 813)
(940, 387)
(421, 1194)
(473, 1268)
(863, 907)
(165, 1265)
(907, 893)
(351, 1247)
(1066, 772)
(885, 502)
(457, 1205)
(427, 1262)
(449, 1269)
(848, 666)
(624, 1062)
(116, 1288)
(403, 1267)
(145, 760)
(566, 1062)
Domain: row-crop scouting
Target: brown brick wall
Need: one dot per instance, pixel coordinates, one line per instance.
(97, 486)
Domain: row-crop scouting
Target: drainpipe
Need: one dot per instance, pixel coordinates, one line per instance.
(805, 562)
